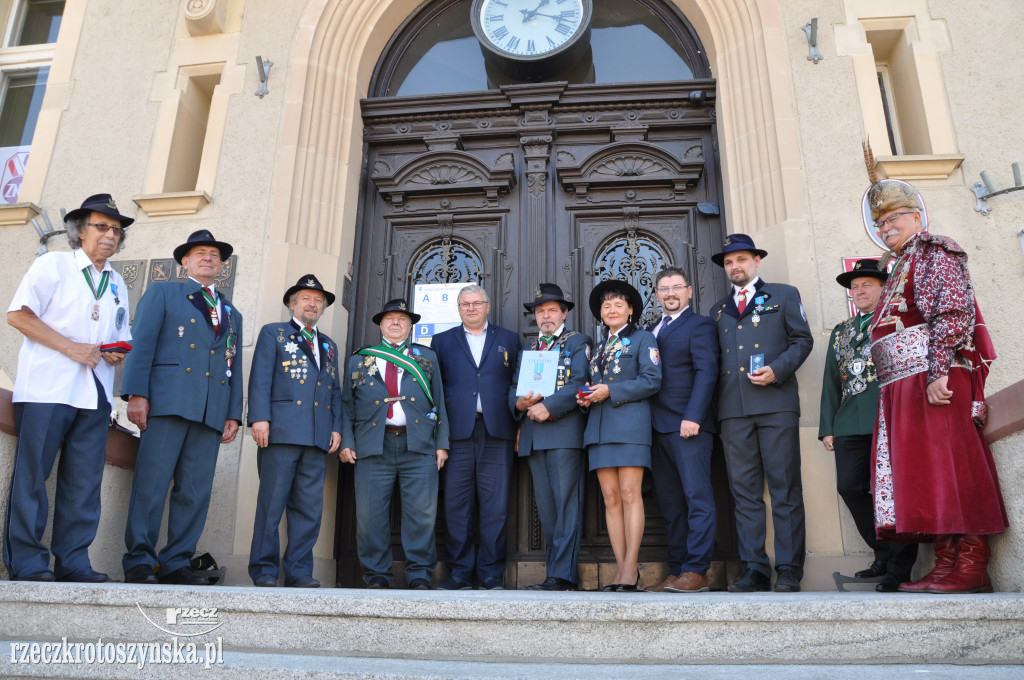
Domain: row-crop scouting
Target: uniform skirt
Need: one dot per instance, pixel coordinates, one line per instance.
(619, 455)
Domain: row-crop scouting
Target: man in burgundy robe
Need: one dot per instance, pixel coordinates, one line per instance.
(934, 476)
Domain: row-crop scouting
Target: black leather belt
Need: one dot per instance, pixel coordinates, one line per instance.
(394, 429)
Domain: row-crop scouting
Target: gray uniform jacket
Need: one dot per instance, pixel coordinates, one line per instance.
(565, 431)
(366, 408)
(632, 378)
(780, 333)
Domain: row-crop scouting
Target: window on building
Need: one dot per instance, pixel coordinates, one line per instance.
(898, 80)
(28, 47)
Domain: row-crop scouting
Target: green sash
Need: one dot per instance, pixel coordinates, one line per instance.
(389, 353)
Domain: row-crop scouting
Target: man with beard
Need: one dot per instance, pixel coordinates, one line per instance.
(296, 418)
(763, 338)
(551, 436)
(683, 420)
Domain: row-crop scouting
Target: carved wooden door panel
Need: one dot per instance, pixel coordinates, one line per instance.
(529, 184)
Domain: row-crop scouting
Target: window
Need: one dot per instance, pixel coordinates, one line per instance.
(25, 58)
(36, 22)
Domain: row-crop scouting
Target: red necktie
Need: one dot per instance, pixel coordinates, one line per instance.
(211, 302)
(391, 382)
(742, 304)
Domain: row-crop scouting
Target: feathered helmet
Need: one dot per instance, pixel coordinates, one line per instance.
(885, 196)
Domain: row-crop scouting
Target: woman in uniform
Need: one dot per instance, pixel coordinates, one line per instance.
(624, 372)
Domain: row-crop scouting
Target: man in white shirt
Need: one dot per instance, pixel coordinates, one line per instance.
(69, 306)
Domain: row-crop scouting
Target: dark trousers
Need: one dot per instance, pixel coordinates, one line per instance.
(558, 489)
(292, 479)
(853, 481)
(681, 469)
(76, 508)
(764, 448)
(184, 452)
(375, 477)
(478, 474)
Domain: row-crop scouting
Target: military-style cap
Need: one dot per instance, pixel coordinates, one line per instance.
(203, 237)
(548, 292)
(734, 242)
(865, 267)
(636, 301)
(396, 305)
(103, 204)
(309, 282)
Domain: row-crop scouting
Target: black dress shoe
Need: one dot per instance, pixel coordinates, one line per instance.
(553, 583)
(45, 576)
(304, 582)
(492, 584)
(890, 583)
(184, 577)
(876, 569)
(454, 583)
(787, 582)
(140, 573)
(265, 581)
(419, 584)
(85, 575)
(377, 583)
(750, 581)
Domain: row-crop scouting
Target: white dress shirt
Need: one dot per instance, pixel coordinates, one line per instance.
(56, 291)
(476, 348)
(316, 339)
(398, 415)
(750, 289)
(662, 324)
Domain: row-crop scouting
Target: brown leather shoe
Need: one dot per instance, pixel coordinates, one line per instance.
(663, 586)
(689, 582)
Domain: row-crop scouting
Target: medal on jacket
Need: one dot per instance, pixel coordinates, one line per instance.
(97, 290)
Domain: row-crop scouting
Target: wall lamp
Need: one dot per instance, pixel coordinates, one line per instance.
(263, 71)
(985, 189)
(811, 29)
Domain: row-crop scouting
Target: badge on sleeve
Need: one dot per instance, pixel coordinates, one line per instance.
(802, 312)
(119, 319)
(655, 358)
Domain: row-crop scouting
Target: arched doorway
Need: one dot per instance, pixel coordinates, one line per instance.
(472, 175)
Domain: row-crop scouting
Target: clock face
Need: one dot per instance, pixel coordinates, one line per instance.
(530, 28)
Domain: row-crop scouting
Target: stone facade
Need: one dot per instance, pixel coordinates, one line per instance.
(135, 87)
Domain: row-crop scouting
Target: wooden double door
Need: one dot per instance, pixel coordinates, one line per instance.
(530, 184)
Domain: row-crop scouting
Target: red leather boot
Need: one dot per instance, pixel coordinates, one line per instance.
(971, 572)
(945, 560)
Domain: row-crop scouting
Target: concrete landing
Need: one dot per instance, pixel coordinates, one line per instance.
(361, 633)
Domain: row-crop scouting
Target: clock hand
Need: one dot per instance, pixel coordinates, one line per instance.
(529, 14)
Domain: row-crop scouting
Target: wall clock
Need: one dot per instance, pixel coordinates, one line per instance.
(531, 39)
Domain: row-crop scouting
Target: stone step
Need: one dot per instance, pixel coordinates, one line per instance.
(261, 666)
(525, 627)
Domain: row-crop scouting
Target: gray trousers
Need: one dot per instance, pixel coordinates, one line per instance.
(764, 448)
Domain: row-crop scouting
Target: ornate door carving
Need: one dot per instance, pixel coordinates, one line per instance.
(527, 184)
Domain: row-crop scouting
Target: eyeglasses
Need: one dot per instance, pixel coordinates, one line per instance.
(104, 228)
(678, 288)
(473, 305)
(889, 220)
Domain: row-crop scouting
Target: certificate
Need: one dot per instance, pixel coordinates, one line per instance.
(537, 373)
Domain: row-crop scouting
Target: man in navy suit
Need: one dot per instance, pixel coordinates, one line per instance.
(682, 419)
(763, 339)
(478, 365)
(551, 436)
(183, 385)
(296, 418)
